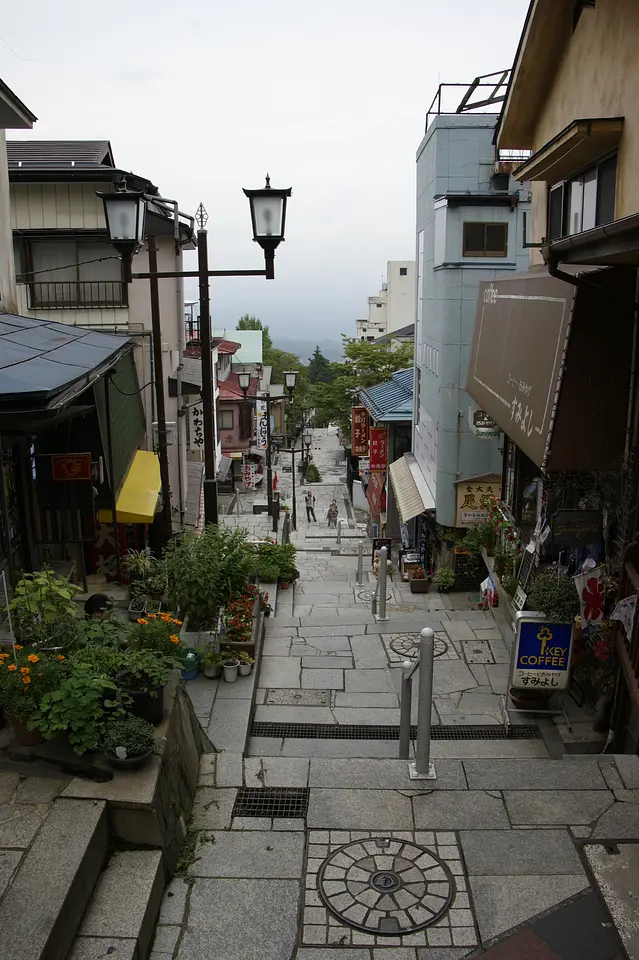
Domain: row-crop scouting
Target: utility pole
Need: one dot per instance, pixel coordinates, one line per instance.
(210, 474)
(167, 520)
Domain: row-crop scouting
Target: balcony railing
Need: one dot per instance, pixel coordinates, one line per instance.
(64, 294)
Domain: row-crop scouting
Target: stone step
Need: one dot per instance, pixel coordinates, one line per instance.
(121, 916)
(43, 907)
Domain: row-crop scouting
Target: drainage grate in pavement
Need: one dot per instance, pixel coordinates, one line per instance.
(330, 731)
(298, 698)
(286, 802)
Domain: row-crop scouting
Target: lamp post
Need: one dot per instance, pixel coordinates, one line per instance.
(307, 442)
(125, 215)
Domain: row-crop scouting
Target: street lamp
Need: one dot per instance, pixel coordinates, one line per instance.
(245, 382)
(290, 379)
(125, 215)
(268, 216)
(307, 438)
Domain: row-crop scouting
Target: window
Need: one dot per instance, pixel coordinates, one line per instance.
(370, 338)
(485, 240)
(584, 202)
(381, 329)
(379, 305)
(418, 387)
(227, 421)
(403, 271)
(72, 273)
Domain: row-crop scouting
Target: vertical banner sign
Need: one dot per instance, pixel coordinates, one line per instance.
(249, 476)
(592, 595)
(379, 449)
(359, 432)
(196, 428)
(262, 425)
(542, 655)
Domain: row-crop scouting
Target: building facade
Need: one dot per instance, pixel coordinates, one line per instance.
(393, 307)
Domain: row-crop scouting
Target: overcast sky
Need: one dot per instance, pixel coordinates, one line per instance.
(204, 96)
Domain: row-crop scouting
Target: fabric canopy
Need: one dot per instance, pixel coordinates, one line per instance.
(137, 500)
(410, 500)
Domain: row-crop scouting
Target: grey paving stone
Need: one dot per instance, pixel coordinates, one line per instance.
(166, 938)
(250, 918)
(459, 810)
(368, 652)
(451, 676)
(278, 646)
(96, 948)
(498, 677)
(249, 855)
(339, 645)
(366, 716)
(500, 652)
(377, 701)
(628, 767)
(41, 789)
(335, 630)
(174, 901)
(296, 698)
(8, 785)
(502, 903)
(534, 775)
(325, 953)
(620, 822)
(9, 860)
(284, 714)
(285, 771)
(294, 747)
(487, 633)
(459, 630)
(441, 953)
(202, 693)
(278, 633)
(556, 806)
(212, 808)
(227, 726)
(475, 704)
(370, 774)
(280, 672)
(323, 679)
(19, 824)
(327, 663)
(127, 896)
(520, 852)
(369, 681)
(489, 749)
(359, 810)
(228, 770)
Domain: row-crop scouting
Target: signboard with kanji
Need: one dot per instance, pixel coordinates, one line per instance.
(542, 655)
(71, 466)
(249, 471)
(473, 499)
(196, 428)
(262, 425)
(378, 449)
(359, 432)
(374, 492)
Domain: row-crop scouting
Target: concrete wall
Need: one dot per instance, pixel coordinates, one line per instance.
(8, 295)
(456, 156)
(400, 311)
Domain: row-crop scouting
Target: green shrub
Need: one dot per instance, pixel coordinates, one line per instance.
(444, 577)
(555, 596)
(132, 735)
(312, 474)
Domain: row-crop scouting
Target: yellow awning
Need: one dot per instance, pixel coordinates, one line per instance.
(236, 455)
(138, 497)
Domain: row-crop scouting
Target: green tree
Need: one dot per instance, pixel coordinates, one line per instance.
(319, 368)
(252, 323)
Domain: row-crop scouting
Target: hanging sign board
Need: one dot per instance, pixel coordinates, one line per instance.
(379, 449)
(359, 432)
(576, 528)
(482, 425)
(249, 476)
(262, 425)
(378, 543)
(541, 657)
(526, 566)
(474, 497)
(196, 428)
(71, 466)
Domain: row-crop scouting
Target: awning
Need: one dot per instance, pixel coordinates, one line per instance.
(224, 468)
(576, 146)
(138, 497)
(550, 364)
(236, 455)
(612, 244)
(411, 491)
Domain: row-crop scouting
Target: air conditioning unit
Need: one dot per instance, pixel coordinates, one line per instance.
(171, 434)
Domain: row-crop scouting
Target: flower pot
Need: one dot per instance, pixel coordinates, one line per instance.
(146, 707)
(444, 589)
(419, 586)
(190, 665)
(529, 699)
(283, 585)
(231, 671)
(24, 736)
(129, 763)
(135, 611)
(212, 671)
(245, 669)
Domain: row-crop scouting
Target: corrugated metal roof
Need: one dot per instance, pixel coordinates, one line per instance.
(391, 401)
(39, 358)
(54, 154)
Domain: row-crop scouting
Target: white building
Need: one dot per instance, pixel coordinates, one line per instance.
(393, 308)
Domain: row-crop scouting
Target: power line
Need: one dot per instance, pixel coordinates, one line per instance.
(81, 263)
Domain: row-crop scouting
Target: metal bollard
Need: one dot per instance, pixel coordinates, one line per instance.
(405, 703)
(381, 580)
(360, 563)
(339, 532)
(422, 768)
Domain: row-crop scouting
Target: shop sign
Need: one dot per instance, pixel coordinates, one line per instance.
(474, 498)
(576, 528)
(374, 492)
(379, 449)
(592, 595)
(71, 466)
(262, 425)
(359, 431)
(378, 543)
(482, 425)
(542, 655)
(196, 428)
(249, 476)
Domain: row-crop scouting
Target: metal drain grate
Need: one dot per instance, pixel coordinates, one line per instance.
(329, 731)
(288, 802)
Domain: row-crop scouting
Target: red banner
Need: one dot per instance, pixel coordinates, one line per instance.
(379, 449)
(71, 466)
(359, 432)
(374, 492)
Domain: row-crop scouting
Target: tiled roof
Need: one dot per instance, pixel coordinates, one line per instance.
(230, 388)
(55, 154)
(228, 346)
(392, 401)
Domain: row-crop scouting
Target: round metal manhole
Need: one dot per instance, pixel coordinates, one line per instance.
(367, 596)
(385, 886)
(407, 646)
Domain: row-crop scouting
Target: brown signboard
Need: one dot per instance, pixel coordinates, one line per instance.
(515, 367)
(71, 466)
(576, 528)
(359, 431)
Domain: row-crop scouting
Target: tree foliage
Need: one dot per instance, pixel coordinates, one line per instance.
(247, 322)
(320, 370)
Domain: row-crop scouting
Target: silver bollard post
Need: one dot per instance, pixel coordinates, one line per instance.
(422, 768)
(360, 564)
(339, 532)
(381, 580)
(404, 710)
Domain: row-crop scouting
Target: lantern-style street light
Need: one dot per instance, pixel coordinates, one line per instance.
(245, 382)
(125, 215)
(268, 216)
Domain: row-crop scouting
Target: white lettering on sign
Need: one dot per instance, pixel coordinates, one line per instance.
(491, 295)
(522, 414)
(519, 385)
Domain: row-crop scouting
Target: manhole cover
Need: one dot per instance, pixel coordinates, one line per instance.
(299, 698)
(406, 646)
(385, 886)
(366, 596)
(477, 651)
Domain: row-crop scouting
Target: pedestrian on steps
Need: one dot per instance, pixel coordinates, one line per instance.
(333, 513)
(309, 499)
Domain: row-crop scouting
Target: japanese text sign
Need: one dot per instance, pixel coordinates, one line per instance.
(474, 498)
(71, 466)
(359, 432)
(262, 425)
(542, 655)
(378, 449)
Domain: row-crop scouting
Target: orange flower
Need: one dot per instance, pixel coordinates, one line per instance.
(26, 679)
(179, 622)
(174, 638)
(164, 616)
(60, 657)
(152, 616)
(24, 670)
(32, 658)
(142, 621)
(18, 646)
(3, 656)
(12, 667)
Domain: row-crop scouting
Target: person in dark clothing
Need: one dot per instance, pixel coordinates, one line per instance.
(309, 499)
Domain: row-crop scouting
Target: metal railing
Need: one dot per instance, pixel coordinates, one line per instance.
(379, 594)
(420, 768)
(360, 564)
(61, 294)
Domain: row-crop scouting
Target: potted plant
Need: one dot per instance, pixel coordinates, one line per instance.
(157, 580)
(212, 660)
(445, 579)
(129, 743)
(142, 677)
(24, 681)
(418, 580)
(510, 584)
(138, 600)
(138, 564)
(42, 603)
(230, 666)
(268, 572)
(190, 665)
(246, 663)
(153, 607)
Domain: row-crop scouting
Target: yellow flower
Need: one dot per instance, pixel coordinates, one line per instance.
(142, 621)
(32, 658)
(12, 667)
(174, 638)
(24, 670)
(26, 679)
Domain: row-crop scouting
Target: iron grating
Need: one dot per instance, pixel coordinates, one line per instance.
(352, 731)
(285, 802)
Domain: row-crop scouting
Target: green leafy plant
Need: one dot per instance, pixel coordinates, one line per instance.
(81, 707)
(555, 596)
(104, 633)
(128, 737)
(138, 594)
(312, 474)
(157, 633)
(25, 680)
(510, 584)
(211, 657)
(205, 572)
(138, 563)
(43, 608)
(245, 657)
(267, 571)
(145, 671)
(504, 559)
(229, 657)
(444, 578)
(481, 535)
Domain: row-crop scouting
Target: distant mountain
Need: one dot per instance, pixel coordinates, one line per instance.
(332, 349)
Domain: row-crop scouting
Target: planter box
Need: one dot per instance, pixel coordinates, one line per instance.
(419, 586)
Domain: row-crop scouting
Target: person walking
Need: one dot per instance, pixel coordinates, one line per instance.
(332, 514)
(310, 506)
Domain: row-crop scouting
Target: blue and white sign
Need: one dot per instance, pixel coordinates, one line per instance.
(542, 655)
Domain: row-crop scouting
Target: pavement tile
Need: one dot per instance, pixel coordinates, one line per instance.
(368, 652)
(228, 770)
(459, 810)
(488, 749)
(521, 852)
(368, 774)
(369, 681)
(295, 747)
(285, 771)
(502, 903)
(284, 714)
(335, 630)
(327, 663)
(280, 672)
(534, 775)
(620, 822)
(366, 716)
(19, 824)
(524, 946)
(323, 679)
(357, 810)
(322, 644)
(451, 676)
(556, 806)
(250, 855)
(227, 726)
(277, 646)
(95, 948)
(212, 808)
(374, 700)
(628, 767)
(174, 901)
(9, 860)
